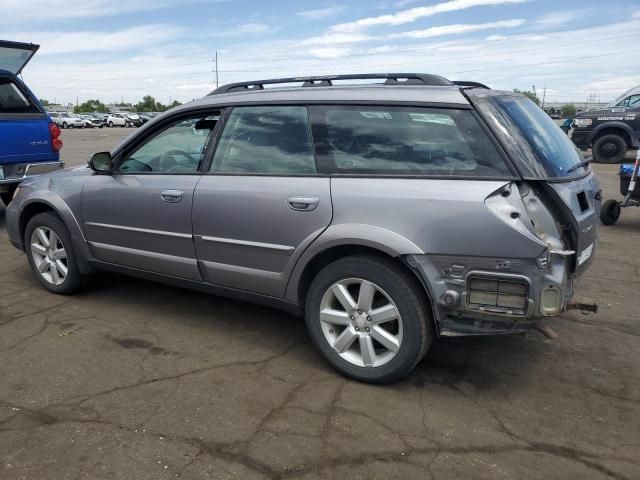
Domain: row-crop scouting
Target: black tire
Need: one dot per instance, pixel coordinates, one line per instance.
(610, 212)
(65, 125)
(406, 294)
(609, 149)
(110, 124)
(74, 278)
(6, 197)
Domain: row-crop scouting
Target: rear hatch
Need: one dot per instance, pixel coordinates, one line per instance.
(24, 125)
(548, 160)
(15, 55)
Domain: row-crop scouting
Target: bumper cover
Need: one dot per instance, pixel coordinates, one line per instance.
(15, 173)
(582, 138)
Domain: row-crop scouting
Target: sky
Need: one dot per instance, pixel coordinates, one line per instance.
(124, 49)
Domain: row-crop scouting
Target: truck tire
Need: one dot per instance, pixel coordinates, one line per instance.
(609, 149)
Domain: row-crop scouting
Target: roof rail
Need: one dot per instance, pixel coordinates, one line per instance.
(327, 81)
(464, 83)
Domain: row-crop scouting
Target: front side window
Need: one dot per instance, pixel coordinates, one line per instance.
(179, 148)
(405, 141)
(272, 140)
(13, 100)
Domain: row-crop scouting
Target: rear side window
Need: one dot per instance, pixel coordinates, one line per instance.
(272, 140)
(404, 141)
(13, 100)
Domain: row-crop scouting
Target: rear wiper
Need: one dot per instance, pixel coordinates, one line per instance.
(581, 164)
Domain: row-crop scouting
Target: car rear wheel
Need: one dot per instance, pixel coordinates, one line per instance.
(609, 149)
(50, 253)
(610, 212)
(368, 318)
(65, 125)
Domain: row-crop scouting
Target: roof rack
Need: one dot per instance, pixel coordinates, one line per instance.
(327, 81)
(464, 83)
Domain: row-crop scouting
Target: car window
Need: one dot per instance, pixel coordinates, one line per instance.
(634, 101)
(12, 100)
(178, 148)
(405, 141)
(266, 140)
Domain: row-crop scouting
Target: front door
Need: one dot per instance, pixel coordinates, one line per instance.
(261, 203)
(140, 215)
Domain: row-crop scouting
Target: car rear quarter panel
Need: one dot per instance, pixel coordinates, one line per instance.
(404, 216)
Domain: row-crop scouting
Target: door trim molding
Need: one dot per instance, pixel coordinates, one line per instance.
(139, 230)
(246, 243)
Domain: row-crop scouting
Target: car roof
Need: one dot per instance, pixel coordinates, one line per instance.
(372, 94)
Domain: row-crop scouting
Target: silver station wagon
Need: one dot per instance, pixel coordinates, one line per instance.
(386, 214)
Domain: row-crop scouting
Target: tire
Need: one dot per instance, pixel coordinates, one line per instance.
(65, 125)
(609, 149)
(6, 197)
(610, 212)
(110, 124)
(411, 331)
(51, 224)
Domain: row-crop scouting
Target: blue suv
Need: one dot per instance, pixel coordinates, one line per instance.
(29, 140)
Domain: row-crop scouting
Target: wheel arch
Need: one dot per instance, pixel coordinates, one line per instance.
(44, 205)
(615, 128)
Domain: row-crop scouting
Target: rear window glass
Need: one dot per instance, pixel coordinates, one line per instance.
(406, 141)
(12, 100)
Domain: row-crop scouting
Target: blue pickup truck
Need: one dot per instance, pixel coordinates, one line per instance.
(29, 140)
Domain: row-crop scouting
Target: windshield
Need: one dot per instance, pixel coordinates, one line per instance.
(536, 143)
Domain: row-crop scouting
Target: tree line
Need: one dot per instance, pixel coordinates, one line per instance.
(147, 104)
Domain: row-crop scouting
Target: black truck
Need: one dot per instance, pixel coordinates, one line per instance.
(611, 131)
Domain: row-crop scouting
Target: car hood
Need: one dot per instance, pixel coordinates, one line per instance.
(15, 55)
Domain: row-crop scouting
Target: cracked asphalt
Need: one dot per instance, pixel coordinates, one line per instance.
(137, 380)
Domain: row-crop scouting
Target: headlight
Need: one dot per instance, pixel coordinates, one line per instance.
(582, 122)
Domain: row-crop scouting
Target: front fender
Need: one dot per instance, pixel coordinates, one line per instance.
(621, 125)
(54, 202)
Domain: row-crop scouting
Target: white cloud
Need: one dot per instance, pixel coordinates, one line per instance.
(20, 11)
(319, 13)
(458, 29)
(245, 29)
(413, 14)
(88, 41)
(559, 18)
(337, 38)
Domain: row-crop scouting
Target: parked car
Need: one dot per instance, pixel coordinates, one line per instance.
(117, 120)
(611, 131)
(93, 121)
(133, 119)
(67, 120)
(144, 117)
(29, 140)
(387, 214)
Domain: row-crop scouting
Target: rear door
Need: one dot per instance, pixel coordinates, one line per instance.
(261, 203)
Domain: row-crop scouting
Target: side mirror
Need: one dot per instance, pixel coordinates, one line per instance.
(100, 162)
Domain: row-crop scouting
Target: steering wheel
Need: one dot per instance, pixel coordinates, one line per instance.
(168, 156)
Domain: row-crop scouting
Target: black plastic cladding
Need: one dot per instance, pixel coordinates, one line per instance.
(327, 80)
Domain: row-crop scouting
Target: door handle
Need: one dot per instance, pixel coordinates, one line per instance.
(303, 204)
(172, 196)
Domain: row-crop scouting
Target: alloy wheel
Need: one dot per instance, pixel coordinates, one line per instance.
(49, 255)
(361, 322)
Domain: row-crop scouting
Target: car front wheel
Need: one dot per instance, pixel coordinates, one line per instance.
(368, 318)
(50, 253)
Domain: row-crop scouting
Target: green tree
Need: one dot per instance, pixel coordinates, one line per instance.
(148, 104)
(552, 111)
(175, 103)
(91, 106)
(568, 110)
(530, 95)
(45, 102)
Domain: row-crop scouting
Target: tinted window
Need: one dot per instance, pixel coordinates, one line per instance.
(406, 141)
(12, 100)
(273, 140)
(177, 149)
(544, 148)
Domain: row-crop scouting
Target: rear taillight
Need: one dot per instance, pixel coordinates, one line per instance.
(54, 132)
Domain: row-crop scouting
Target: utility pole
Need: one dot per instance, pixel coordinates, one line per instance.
(216, 60)
(544, 94)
